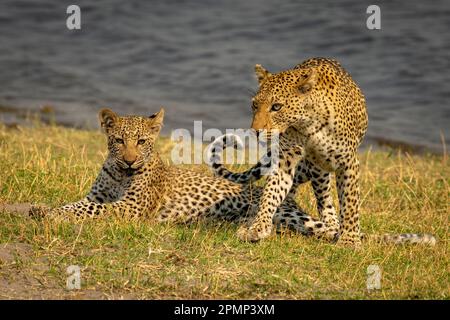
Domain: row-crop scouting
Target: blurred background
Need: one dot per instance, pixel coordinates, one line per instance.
(196, 58)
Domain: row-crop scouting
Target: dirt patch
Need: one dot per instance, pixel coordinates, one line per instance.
(24, 274)
(25, 271)
(21, 209)
(18, 268)
(11, 252)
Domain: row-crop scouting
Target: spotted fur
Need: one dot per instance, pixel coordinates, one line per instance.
(135, 182)
(318, 106)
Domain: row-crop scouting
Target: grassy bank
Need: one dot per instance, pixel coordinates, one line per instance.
(120, 259)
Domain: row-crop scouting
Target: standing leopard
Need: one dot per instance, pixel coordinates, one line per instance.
(318, 106)
(134, 182)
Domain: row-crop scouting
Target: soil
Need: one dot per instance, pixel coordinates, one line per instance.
(25, 274)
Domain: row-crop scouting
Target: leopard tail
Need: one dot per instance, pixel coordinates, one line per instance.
(215, 161)
(404, 238)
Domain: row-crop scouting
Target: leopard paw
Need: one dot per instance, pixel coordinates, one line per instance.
(38, 211)
(254, 233)
(353, 240)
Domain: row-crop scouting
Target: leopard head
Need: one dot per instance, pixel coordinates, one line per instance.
(283, 99)
(131, 139)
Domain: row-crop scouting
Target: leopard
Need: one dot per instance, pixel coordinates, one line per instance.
(318, 106)
(135, 183)
(214, 159)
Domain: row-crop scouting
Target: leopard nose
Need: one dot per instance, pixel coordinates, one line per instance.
(129, 157)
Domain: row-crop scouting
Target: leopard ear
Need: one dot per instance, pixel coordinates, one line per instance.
(261, 73)
(309, 81)
(156, 121)
(107, 118)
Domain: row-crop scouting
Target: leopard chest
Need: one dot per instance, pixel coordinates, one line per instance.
(320, 148)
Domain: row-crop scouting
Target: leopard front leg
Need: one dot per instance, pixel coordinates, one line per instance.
(84, 208)
(278, 185)
(321, 183)
(347, 179)
(72, 211)
(131, 204)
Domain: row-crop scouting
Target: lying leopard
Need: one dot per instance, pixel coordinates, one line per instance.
(135, 182)
(318, 106)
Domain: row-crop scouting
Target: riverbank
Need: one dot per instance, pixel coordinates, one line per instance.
(83, 117)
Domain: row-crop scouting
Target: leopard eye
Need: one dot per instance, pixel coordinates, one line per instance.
(119, 140)
(276, 107)
(141, 141)
(254, 106)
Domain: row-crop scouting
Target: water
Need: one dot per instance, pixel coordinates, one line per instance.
(196, 58)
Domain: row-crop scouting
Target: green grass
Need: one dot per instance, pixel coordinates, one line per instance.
(143, 259)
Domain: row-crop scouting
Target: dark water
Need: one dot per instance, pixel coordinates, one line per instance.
(196, 58)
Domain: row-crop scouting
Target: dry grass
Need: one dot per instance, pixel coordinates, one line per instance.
(54, 165)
